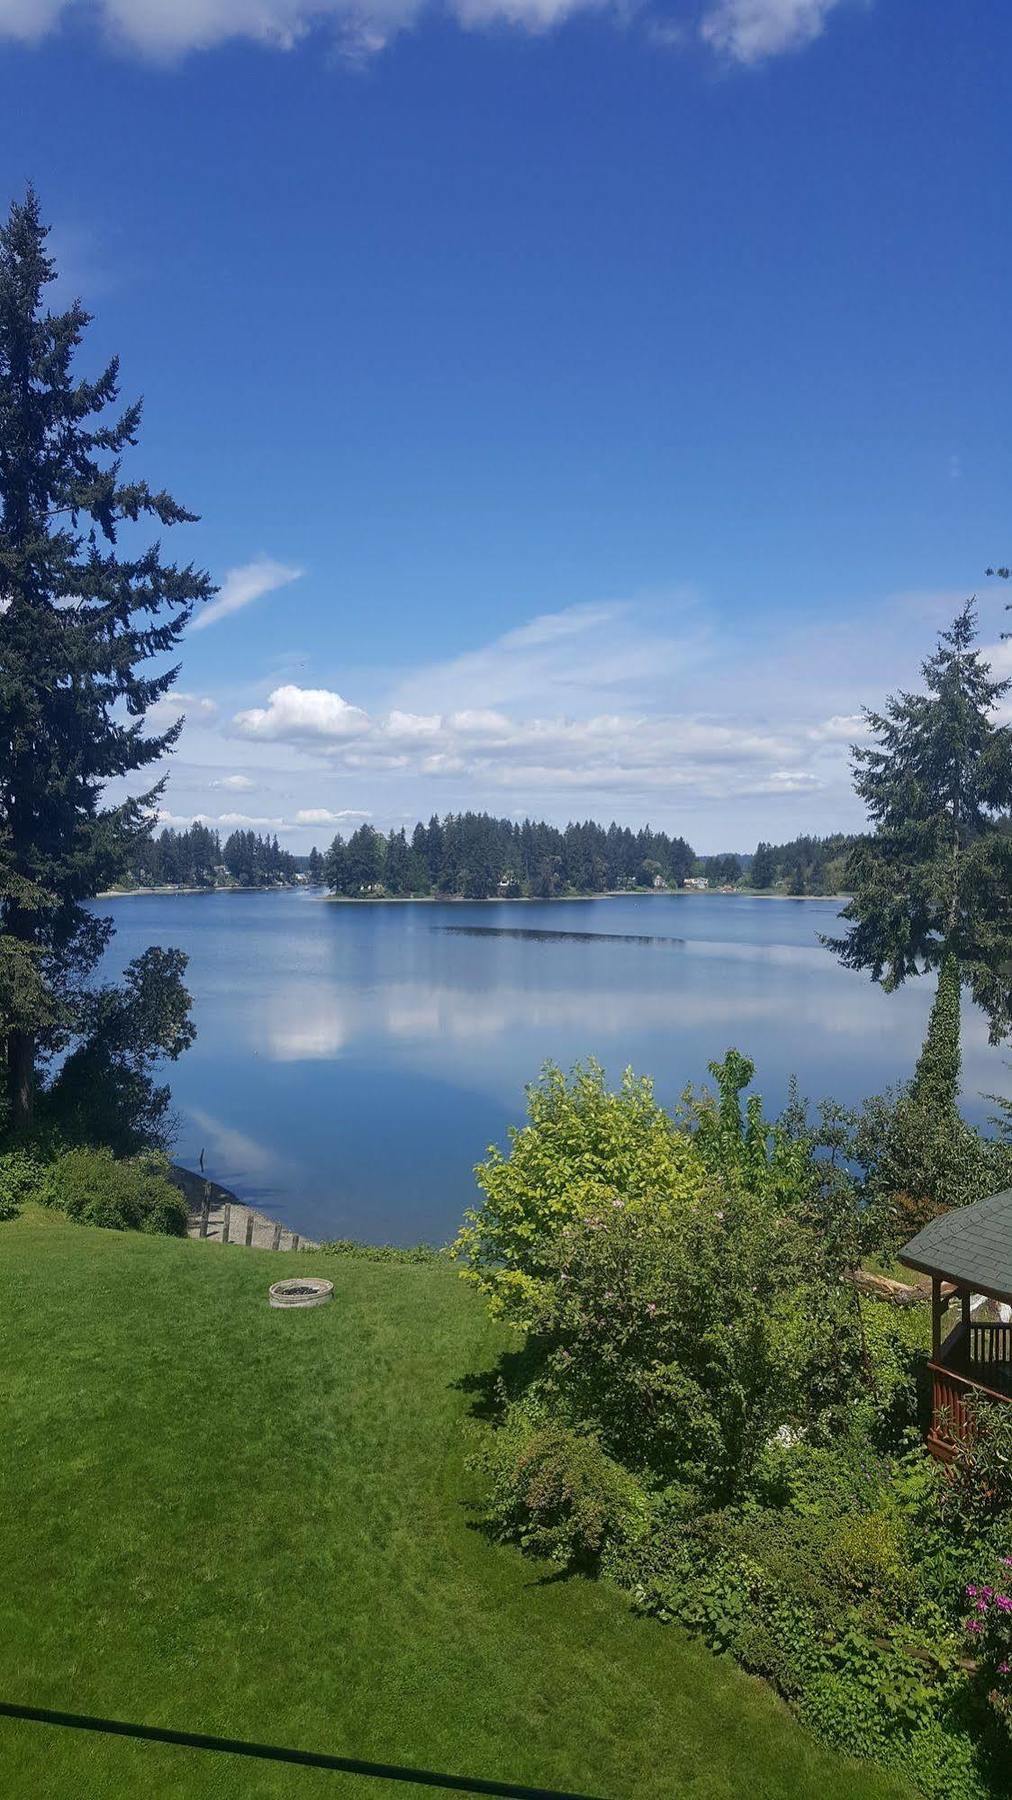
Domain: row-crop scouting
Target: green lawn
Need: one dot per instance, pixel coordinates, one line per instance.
(253, 1523)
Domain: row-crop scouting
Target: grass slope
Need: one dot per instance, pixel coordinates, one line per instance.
(254, 1523)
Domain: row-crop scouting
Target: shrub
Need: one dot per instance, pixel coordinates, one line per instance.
(582, 1149)
(687, 1339)
(990, 1628)
(981, 1487)
(20, 1175)
(557, 1494)
(91, 1186)
(827, 1610)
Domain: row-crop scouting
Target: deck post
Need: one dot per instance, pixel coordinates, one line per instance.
(936, 1317)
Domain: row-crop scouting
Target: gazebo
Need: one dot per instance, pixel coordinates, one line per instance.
(968, 1254)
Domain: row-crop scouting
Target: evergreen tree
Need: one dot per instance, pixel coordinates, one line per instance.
(928, 1157)
(397, 864)
(934, 877)
(78, 622)
(364, 859)
(315, 870)
(335, 866)
(763, 867)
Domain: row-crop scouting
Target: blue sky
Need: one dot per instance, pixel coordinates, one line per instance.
(589, 406)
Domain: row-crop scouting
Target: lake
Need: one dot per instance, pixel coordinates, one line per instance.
(352, 1062)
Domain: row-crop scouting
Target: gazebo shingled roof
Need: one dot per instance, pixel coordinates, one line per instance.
(971, 1246)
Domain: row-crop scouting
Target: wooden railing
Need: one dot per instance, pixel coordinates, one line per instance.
(974, 1360)
(990, 1344)
(949, 1422)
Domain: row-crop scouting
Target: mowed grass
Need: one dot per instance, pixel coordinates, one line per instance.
(226, 1519)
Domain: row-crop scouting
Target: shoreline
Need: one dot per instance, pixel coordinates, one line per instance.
(262, 1226)
(463, 900)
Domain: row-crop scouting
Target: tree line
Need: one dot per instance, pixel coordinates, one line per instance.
(805, 865)
(474, 856)
(196, 857)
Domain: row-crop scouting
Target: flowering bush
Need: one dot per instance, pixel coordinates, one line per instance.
(990, 1627)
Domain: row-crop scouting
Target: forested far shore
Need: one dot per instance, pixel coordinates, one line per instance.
(474, 856)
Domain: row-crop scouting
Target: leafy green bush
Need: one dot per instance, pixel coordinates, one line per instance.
(20, 1176)
(707, 1411)
(828, 1610)
(981, 1486)
(583, 1151)
(91, 1186)
(557, 1494)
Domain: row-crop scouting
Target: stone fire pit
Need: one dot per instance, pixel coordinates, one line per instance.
(301, 1290)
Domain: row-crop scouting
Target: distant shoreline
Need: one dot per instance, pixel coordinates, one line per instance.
(463, 900)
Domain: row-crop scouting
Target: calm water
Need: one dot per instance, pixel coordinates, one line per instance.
(352, 1062)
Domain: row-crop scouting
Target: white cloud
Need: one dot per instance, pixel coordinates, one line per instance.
(577, 657)
(842, 728)
(745, 30)
(727, 729)
(292, 713)
(29, 20)
(243, 585)
(322, 815)
(166, 710)
(231, 821)
(239, 784)
(751, 30)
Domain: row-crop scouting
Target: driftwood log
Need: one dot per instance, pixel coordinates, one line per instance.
(882, 1287)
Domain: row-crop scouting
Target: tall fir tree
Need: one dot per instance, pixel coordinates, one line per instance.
(79, 621)
(763, 870)
(934, 876)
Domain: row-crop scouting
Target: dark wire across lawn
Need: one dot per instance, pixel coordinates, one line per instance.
(307, 1759)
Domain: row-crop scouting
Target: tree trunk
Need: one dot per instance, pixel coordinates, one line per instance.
(21, 1077)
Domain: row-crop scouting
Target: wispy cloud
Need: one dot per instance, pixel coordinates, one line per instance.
(746, 31)
(229, 821)
(322, 815)
(239, 784)
(243, 585)
(611, 702)
(749, 31)
(728, 728)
